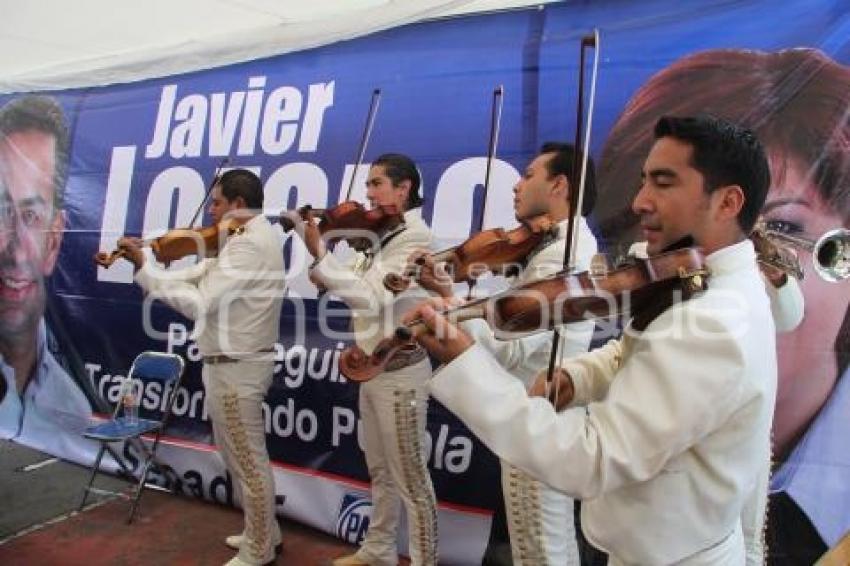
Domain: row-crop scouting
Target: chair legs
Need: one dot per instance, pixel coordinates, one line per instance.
(120, 461)
(147, 457)
(140, 487)
(94, 471)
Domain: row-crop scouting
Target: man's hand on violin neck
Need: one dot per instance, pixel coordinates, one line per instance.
(317, 282)
(307, 229)
(132, 248)
(561, 390)
(428, 274)
(443, 339)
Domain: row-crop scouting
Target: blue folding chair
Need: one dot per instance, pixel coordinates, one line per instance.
(148, 366)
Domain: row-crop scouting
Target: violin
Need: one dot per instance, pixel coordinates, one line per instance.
(496, 250)
(352, 222)
(176, 244)
(644, 290)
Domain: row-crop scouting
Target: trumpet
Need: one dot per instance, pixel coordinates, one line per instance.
(830, 252)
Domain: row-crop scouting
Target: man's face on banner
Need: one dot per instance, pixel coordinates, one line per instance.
(30, 228)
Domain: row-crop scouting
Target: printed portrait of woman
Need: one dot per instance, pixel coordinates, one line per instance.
(797, 101)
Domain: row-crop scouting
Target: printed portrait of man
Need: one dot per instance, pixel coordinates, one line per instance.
(43, 407)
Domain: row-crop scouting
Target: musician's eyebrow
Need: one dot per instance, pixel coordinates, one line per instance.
(658, 172)
(663, 172)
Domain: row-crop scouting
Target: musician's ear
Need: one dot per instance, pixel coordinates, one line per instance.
(728, 201)
(404, 187)
(561, 186)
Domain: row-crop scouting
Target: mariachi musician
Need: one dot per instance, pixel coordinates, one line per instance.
(393, 406)
(667, 437)
(235, 301)
(540, 519)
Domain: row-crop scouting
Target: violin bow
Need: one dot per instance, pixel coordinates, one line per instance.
(361, 150)
(576, 196)
(495, 125)
(215, 179)
(364, 140)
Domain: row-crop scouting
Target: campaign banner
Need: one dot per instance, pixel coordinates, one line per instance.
(138, 159)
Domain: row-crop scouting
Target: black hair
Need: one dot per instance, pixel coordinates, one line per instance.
(562, 164)
(242, 183)
(399, 168)
(725, 154)
(42, 114)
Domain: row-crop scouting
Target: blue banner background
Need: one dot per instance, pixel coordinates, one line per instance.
(437, 79)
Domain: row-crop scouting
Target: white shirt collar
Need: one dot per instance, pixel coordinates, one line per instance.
(732, 258)
(563, 225)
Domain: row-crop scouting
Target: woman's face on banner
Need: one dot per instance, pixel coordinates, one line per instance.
(807, 366)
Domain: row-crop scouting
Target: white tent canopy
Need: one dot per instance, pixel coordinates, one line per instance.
(56, 44)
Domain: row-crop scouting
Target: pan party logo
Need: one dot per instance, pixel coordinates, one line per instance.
(353, 519)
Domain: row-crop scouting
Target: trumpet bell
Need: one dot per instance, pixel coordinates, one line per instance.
(831, 255)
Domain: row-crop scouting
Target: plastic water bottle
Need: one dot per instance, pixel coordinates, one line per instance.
(130, 402)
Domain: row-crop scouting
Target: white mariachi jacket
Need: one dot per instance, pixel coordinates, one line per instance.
(376, 312)
(234, 299)
(674, 438)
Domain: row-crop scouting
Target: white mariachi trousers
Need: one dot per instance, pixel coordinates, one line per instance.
(235, 393)
(540, 521)
(393, 409)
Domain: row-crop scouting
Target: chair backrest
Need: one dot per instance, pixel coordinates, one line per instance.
(157, 366)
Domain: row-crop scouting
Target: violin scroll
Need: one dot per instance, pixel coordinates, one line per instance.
(397, 283)
(357, 365)
(106, 259)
